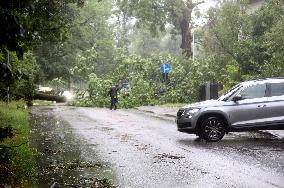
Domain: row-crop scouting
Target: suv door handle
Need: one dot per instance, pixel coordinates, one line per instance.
(261, 106)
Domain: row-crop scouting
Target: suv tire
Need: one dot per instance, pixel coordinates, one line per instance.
(212, 129)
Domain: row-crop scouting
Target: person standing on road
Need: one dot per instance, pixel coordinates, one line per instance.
(113, 97)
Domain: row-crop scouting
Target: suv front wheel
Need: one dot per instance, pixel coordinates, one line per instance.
(212, 129)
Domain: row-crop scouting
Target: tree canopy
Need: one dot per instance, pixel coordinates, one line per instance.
(28, 22)
(157, 14)
(88, 43)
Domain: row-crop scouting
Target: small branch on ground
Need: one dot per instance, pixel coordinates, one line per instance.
(11, 147)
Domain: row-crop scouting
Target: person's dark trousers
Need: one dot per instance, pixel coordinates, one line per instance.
(113, 103)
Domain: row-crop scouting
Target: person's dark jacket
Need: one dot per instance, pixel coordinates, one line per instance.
(113, 92)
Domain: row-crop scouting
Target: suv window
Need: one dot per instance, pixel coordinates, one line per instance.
(254, 91)
(277, 89)
(230, 93)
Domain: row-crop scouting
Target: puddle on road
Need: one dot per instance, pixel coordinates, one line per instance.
(61, 159)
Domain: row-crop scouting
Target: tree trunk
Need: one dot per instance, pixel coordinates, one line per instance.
(41, 96)
(186, 38)
(185, 27)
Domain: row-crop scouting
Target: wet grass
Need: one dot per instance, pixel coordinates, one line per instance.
(62, 159)
(16, 166)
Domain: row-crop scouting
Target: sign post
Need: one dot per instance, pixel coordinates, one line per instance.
(165, 69)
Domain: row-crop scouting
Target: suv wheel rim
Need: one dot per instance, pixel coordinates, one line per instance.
(214, 129)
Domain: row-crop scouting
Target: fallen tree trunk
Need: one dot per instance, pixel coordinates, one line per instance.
(42, 96)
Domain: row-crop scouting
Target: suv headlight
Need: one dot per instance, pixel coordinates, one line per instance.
(188, 113)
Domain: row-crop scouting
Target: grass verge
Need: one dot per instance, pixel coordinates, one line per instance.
(16, 167)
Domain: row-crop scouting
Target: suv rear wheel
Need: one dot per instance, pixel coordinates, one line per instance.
(212, 129)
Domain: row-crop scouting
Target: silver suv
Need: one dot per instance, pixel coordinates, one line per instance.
(250, 105)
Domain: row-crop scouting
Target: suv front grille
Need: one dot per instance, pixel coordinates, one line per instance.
(179, 113)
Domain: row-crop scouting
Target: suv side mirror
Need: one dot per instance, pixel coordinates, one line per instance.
(237, 98)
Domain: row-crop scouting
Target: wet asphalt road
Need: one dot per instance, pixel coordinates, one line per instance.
(147, 151)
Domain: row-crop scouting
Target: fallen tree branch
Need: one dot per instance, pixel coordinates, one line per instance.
(11, 147)
(223, 46)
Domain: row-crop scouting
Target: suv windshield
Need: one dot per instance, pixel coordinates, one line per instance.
(229, 93)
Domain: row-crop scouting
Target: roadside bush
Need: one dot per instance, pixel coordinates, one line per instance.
(140, 94)
(147, 86)
(97, 90)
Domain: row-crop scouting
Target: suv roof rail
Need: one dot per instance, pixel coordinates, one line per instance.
(277, 78)
(261, 79)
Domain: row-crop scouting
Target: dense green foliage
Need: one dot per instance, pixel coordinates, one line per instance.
(239, 44)
(16, 167)
(26, 23)
(89, 41)
(64, 33)
(19, 83)
(147, 86)
(235, 45)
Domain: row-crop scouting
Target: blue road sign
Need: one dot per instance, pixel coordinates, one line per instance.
(165, 68)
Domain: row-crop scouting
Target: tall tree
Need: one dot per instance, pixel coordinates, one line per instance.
(156, 14)
(28, 22)
(224, 31)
